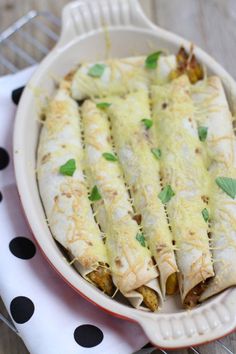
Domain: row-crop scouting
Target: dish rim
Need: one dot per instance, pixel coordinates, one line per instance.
(127, 313)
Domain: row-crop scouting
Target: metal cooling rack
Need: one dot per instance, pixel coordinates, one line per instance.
(44, 23)
(49, 26)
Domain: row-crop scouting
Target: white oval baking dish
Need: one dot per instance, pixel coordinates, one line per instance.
(83, 39)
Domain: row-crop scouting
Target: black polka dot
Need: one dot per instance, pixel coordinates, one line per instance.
(22, 248)
(88, 336)
(22, 309)
(0, 196)
(148, 345)
(4, 158)
(16, 94)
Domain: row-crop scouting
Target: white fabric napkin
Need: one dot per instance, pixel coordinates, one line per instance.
(51, 317)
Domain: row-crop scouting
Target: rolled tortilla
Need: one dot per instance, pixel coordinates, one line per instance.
(64, 197)
(213, 112)
(130, 261)
(141, 167)
(120, 76)
(183, 170)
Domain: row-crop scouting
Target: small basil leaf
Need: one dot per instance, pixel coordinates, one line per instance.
(157, 153)
(166, 194)
(96, 70)
(202, 133)
(95, 195)
(109, 157)
(141, 239)
(103, 105)
(147, 122)
(152, 59)
(228, 185)
(205, 214)
(68, 168)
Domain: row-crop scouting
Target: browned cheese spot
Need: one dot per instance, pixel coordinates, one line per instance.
(46, 158)
(205, 199)
(138, 218)
(164, 105)
(118, 262)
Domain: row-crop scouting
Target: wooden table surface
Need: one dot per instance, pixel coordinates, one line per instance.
(211, 24)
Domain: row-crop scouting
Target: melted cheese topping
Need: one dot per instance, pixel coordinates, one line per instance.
(182, 167)
(130, 262)
(213, 112)
(65, 198)
(133, 145)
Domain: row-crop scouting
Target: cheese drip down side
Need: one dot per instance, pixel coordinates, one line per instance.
(120, 76)
(65, 198)
(213, 112)
(130, 262)
(141, 169)
(182, 167)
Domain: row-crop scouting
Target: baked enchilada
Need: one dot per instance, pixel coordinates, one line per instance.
(136, 172)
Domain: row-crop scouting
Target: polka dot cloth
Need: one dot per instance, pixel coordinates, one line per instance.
(22, 247)
(50, 317)
(16, 94)
(88, 336)
(22, 309)
(4, 158)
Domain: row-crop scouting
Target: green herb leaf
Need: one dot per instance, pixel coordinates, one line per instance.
(157, 153)
(147, 122)
(95, 195)
(166, 194)
(151, 60)
(109, 157)
(141, 239)
(68, 168)
(96, 70)
(202, 133)
(228, 185)
(103, 105)
(205, 214)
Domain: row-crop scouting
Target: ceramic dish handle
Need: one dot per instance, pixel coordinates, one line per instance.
(83, 16)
